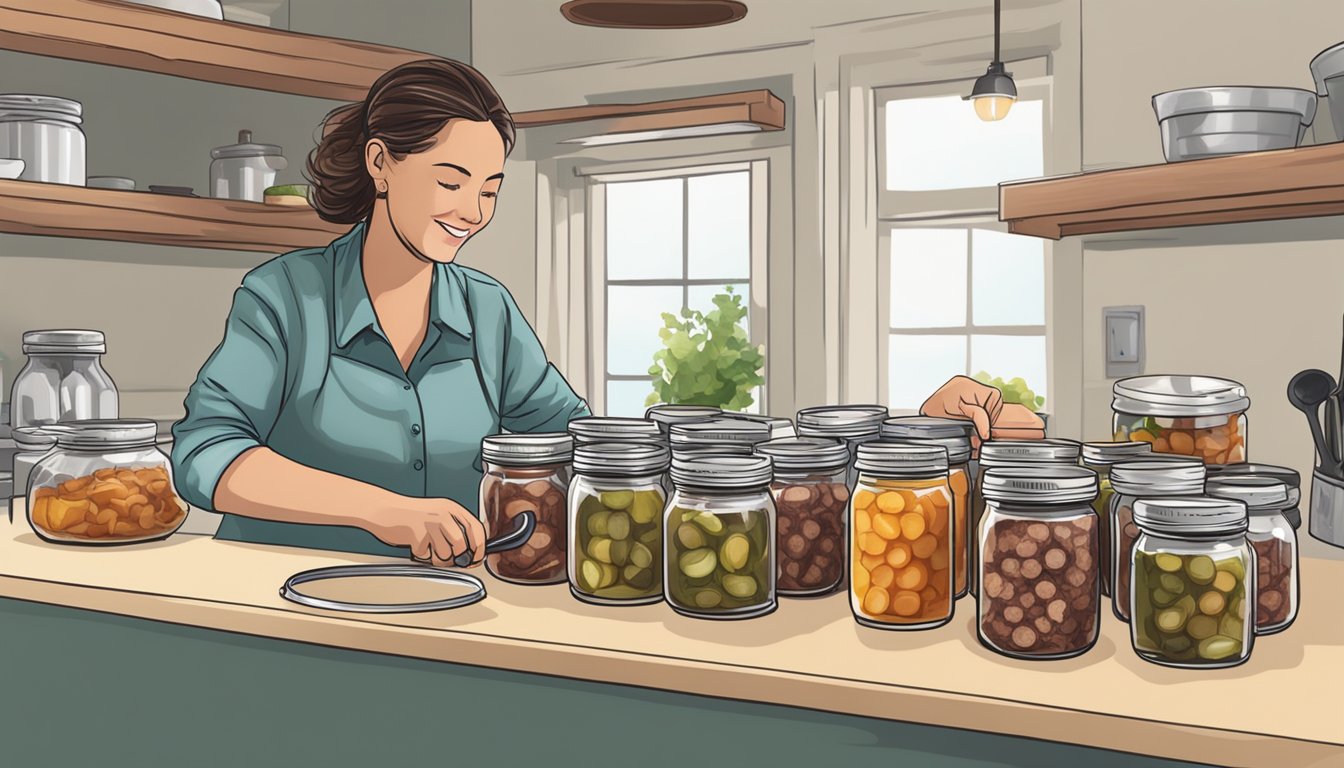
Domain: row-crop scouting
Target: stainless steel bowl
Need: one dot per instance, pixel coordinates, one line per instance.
(1327, 69)
(1229, 120)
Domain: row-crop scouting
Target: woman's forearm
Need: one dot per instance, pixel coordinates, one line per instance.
(263, 484)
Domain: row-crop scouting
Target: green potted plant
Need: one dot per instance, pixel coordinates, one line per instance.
(1016, 390)
(707, 358)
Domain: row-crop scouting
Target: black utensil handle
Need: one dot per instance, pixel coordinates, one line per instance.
(527, 522)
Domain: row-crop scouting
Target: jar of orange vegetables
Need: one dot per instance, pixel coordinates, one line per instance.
(1195, 416)
(901, 545)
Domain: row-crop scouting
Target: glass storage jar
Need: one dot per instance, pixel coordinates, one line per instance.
(1039, 596)
(720, 545)
(1193, 571)
(1275, 544)
(31, 444)
(666, 415)
(1184, 415)
(1157, 476)
(717, 436)
(527, 472)
(955, 436)
(105, 482)
(811, 500)
(44, 132)
(1288, 477)
(851, 424)
(616, 503)
(901, 517)
(63, 380)
(1100, 457)
(610, 429)
(1011, 453)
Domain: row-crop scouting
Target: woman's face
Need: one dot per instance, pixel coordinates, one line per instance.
(439, 198)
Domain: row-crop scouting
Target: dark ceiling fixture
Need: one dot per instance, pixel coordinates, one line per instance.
(653, 14)
(994, 92)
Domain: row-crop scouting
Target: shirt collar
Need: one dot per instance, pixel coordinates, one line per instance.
(352, 310)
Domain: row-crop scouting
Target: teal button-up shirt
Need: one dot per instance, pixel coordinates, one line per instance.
(305, 369)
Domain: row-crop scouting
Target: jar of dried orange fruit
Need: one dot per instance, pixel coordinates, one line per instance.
(901, 549)
(1197, 416)
(105, 482)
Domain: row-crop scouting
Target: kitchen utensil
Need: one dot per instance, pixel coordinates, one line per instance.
(1206, 122)
(210, 9)
(1326, 519)
(11, 167)
(515, 538)
(160, 189)
(1327, 69)
(244, 170)
(1306, 391)
(44, 132)
(110, 182)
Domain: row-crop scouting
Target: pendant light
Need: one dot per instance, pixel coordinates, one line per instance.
(994, 92)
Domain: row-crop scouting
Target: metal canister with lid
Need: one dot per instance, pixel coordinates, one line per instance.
(244, 170)
(43, 132)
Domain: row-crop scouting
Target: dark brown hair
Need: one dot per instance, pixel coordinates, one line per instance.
(405, 108)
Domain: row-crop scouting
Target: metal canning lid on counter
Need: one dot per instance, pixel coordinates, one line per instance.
(1275, 544)
(811, 499)
(1196, 416)
(610, 429)
(1288, 477)
(1192, 576)
(105, 482)
(1013, 453)
(527, 472)
(615, 523)
(1100, 457)
(720, 436)
(720, 545)
(1039, 596)
(852, 424)
(1155, 476)
(63, 379)
(32, 443)
(901, 518)
(955, 436)
(666, 415)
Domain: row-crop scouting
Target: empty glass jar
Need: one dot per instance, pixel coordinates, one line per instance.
(1100, 457)
(1155, 477)
(616, 503)
(1275, 543)
(527, 472)
(811, 500)
(63, 380)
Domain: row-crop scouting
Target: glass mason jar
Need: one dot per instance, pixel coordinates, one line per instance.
(720, 546)
(811, 500)
(609, 429)
(31, 444)
(901, 518)
(1184, 415)
(850, 424)
(105, 482)
(666, 415)
(527, 472)
(1012, 453)
(1288, 477)
(1038, 547)
(1134, 480)
(955, 436)
(615, 523)
(1100, 457)
(1193, 573)
(1275, 543)
(63, 380)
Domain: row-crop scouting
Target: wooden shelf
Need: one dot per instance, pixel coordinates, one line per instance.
(1262, 186)
(760, 106)
(59, 210)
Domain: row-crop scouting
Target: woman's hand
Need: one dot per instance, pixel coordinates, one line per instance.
(1017, 422)
(965, 398)
(436, 530)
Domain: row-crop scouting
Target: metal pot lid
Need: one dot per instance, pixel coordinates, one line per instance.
(66, 341)
(1060, 484)
(1326, 65)
(805, 453)
(535, 449)
(245, 148)
(26, 106)
(1191, 516)
(1179, 396)
(1236, 99)
(1002, 453)
(1111, 453)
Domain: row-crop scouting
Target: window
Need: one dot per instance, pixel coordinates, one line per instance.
(668, 242)
(961, 295)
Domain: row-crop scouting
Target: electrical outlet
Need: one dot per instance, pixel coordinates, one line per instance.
(1124, 341)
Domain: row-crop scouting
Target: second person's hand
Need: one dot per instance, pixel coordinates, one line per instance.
(435, 530)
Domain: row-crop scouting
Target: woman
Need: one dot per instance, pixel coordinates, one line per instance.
(345, 407)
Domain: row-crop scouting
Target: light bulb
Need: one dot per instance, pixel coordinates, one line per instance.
(992, 107)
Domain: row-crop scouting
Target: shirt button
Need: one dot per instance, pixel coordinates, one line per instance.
(415, 429)
(419, 465)
(406, 387)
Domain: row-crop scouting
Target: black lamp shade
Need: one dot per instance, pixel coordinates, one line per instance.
(995, 82)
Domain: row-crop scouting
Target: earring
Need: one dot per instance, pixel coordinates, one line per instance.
(382, 187)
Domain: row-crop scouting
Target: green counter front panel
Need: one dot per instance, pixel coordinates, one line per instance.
(79, 688)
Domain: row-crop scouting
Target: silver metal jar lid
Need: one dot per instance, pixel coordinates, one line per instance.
(805, 453)
(1179, 396)
(104, 433)
(717, 432)
(952, 434)
(610, 429)
(669, 414)
(1285, 475)
(779, 426)
(1105, 454)
(1191, 516)
(25, 106)
(1261, 495)
(901, 459)
(620, 459)
(1006, 453)
(64, 342)
(1060, 484)
(1158, 477)
(528, 450)
(841, 420)
(33, 438)
(721, 472)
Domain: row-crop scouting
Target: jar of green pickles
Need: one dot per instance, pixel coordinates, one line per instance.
(615, 523)
(720, 538)
(1100, 457)
(1194, 583)
(1158, 476)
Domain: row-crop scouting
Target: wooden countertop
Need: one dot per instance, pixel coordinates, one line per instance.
(1279, 708)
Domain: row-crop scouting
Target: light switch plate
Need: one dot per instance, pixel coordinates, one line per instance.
(1124, 334)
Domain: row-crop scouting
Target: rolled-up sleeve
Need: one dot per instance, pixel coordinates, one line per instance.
(235, 401)
(535, 397)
